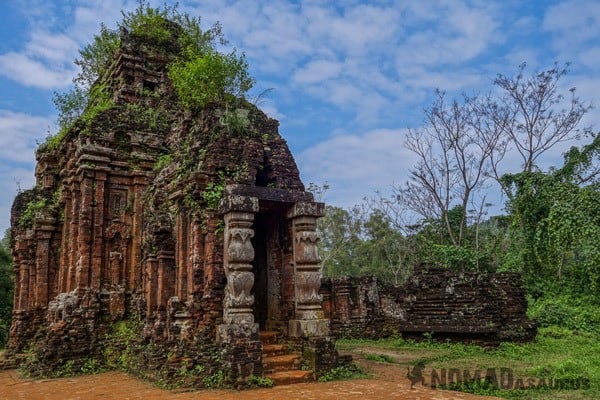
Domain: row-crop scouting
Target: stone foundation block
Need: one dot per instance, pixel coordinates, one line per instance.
(308, 327)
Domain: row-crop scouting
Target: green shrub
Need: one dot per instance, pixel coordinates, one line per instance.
(575, 313)
(6, 288)
(210, 77)
(66, 369)
(214, 191)
(28, 215)
(380, 358)
(216, 380)
(481, 387)
(91, 366)
(149, 22)
(562, 370)
(259, 381)
(100, 100)
(162, 162)
(343, 372)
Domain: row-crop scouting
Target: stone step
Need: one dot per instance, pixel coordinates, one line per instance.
(290, 377)
(281, 363)
(274, 349)
(268, 337)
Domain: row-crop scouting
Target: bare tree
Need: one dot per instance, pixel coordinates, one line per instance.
(533, 114)
(454, 160)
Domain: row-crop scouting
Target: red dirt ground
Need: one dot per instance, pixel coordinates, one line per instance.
(119, 386)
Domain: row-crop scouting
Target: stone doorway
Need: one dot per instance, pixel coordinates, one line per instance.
(271, 263)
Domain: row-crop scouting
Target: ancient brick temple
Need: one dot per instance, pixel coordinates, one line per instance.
(192, 226)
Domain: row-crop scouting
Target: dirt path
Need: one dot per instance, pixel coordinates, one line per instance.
(117, 385)
(389, 382)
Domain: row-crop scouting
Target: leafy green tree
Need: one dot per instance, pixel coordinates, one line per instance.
(556, 224)
(341, 232)
(356, 242)
(386, 252)
(6, 288)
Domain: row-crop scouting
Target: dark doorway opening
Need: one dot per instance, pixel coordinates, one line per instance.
(259, 268)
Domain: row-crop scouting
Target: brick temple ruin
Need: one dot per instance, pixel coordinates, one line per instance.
(193, 226)
(473, 307)
(182, 246)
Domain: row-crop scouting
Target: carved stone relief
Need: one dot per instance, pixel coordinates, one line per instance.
(238, 268)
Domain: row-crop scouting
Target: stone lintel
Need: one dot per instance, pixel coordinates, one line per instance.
(238, 203)
(269, 194)
(308, 328)
(307, 209)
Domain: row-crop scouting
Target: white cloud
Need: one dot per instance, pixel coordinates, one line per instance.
(575, 27)
(590, 57)
(55, 48)
(355, 165)
(577, 20)
(13, 179)
(359, 30)
(18, 135)
(31, 72)
(270, 108)
(46, 60)
(317, 71)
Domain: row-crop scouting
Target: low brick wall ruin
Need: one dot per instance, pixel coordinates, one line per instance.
(475, 307)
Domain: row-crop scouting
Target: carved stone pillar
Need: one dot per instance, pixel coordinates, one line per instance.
(135, 254)
(309, 317)
(63, 270)
(239, 333)
(237, 262)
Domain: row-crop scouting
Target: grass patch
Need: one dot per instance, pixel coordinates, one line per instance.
(343, 372)
(383, 358)
(255, 381)
(565, 362)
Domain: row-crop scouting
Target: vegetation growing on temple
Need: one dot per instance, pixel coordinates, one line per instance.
(199, 71)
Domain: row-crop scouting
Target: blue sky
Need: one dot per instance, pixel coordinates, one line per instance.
(348, 77)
